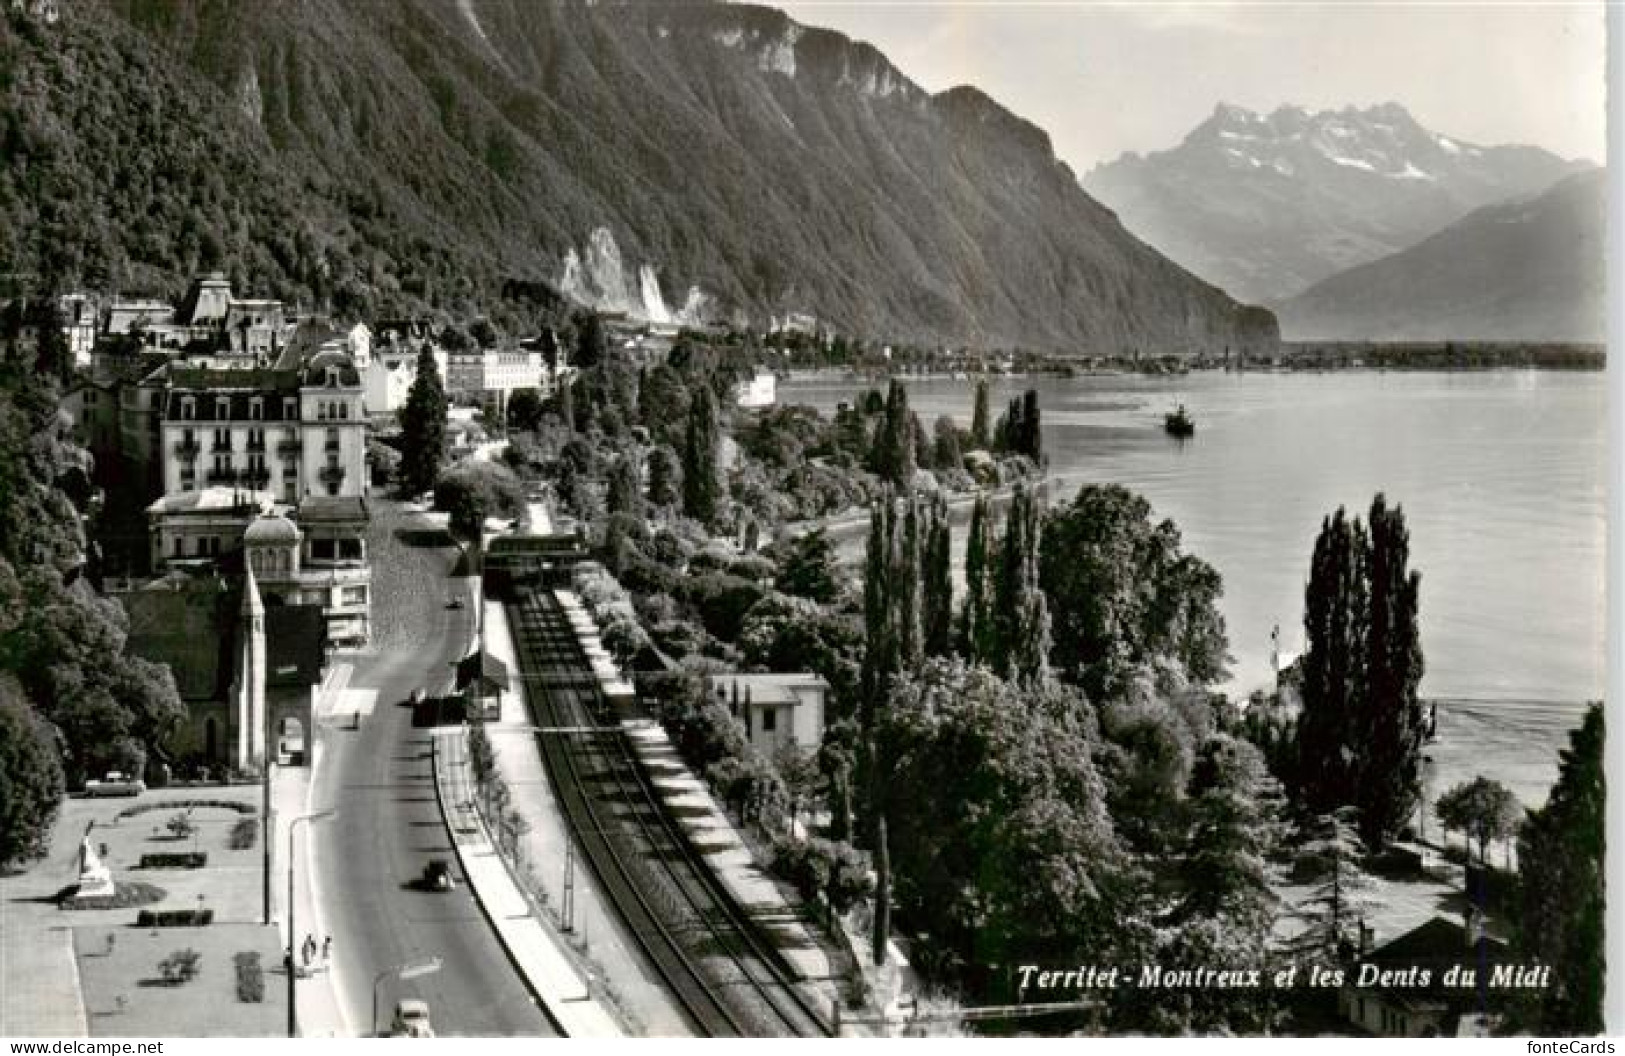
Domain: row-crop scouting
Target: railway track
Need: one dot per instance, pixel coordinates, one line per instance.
(729, 979)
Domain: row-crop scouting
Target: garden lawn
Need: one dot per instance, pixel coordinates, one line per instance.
(206, 1006)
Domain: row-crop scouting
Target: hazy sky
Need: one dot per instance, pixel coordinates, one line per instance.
(1104, 78)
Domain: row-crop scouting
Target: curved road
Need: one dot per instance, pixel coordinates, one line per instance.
(389, 823)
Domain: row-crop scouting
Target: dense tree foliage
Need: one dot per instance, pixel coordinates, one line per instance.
(64, 644)
(473, 491)
(31, 783)
(1363, 725)
(982, 775)
(980, 431)
(1561, 852)
(1122, 594)
(807, 567)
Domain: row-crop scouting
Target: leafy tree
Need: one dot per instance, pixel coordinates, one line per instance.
(423, 426)
(475, 491)
(31, 785)
(525, 409)
(626, 486)
(1395, 719)
(665, 477)
(808, 568)
(1018, 431)
(946, 454)
(1561, 851)
(982, 775)
(384, 460)
(1482, 810)
(1122, 595)
(702, 485)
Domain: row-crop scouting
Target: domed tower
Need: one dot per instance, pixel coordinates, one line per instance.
(271, 548)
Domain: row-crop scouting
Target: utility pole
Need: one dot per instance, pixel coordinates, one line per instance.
(293, 962)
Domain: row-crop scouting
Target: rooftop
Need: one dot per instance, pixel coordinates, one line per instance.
(216, 499)
(328, 509)
(768, 688)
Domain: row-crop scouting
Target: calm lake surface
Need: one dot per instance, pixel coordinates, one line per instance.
(1501, 475)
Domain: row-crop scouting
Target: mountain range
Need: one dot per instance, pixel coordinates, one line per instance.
(1268, 205)
(1527, 269)
(689, 162)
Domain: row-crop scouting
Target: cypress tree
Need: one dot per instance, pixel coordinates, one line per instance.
(1032, 437)
(906, 595)
(423, 426)
(974, 619)
(979, 438)
(877, 573)
(701, 488)
(937, 582)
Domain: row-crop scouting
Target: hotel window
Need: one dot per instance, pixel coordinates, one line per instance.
(222, 408)
(770, 719)
(188, 409)
(256, 409)
(290, 408)
(344, 410)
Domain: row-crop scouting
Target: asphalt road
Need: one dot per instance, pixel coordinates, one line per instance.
(389, 823)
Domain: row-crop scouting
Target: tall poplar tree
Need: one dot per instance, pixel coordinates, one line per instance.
(1363, 725)
(1395, 718)
(1021, 612)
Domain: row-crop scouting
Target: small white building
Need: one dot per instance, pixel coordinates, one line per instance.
(776, 709)
(760, 391)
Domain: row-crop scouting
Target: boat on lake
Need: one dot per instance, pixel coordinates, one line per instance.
(1179, 423)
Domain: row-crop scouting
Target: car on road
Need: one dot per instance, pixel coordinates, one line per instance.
(115, 784)
(437, 876)
(411, 1020)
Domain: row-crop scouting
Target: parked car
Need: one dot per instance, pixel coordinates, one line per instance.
(411, 1020)
(437, 876)
(115, 784)
(455, 603)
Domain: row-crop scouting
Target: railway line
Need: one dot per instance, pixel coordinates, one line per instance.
(726, 976)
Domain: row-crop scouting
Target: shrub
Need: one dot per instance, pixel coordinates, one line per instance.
(180, 826)
(243, 834)
(223, 804)
(250, 978)
(177, 860)
(174, 918)
(180, 966)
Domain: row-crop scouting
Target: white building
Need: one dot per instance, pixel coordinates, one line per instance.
(492, 376)
(760, 391)
(776, 709)
(388, 376)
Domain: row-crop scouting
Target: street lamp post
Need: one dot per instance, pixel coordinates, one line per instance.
(409, 970)
(293, 963)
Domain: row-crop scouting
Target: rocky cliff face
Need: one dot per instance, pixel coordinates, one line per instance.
(1267, 205)
(682, 161)
(1528, 269)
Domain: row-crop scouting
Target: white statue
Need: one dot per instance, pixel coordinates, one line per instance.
(95, 878)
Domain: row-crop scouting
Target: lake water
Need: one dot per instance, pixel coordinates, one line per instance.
(1501, 476)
